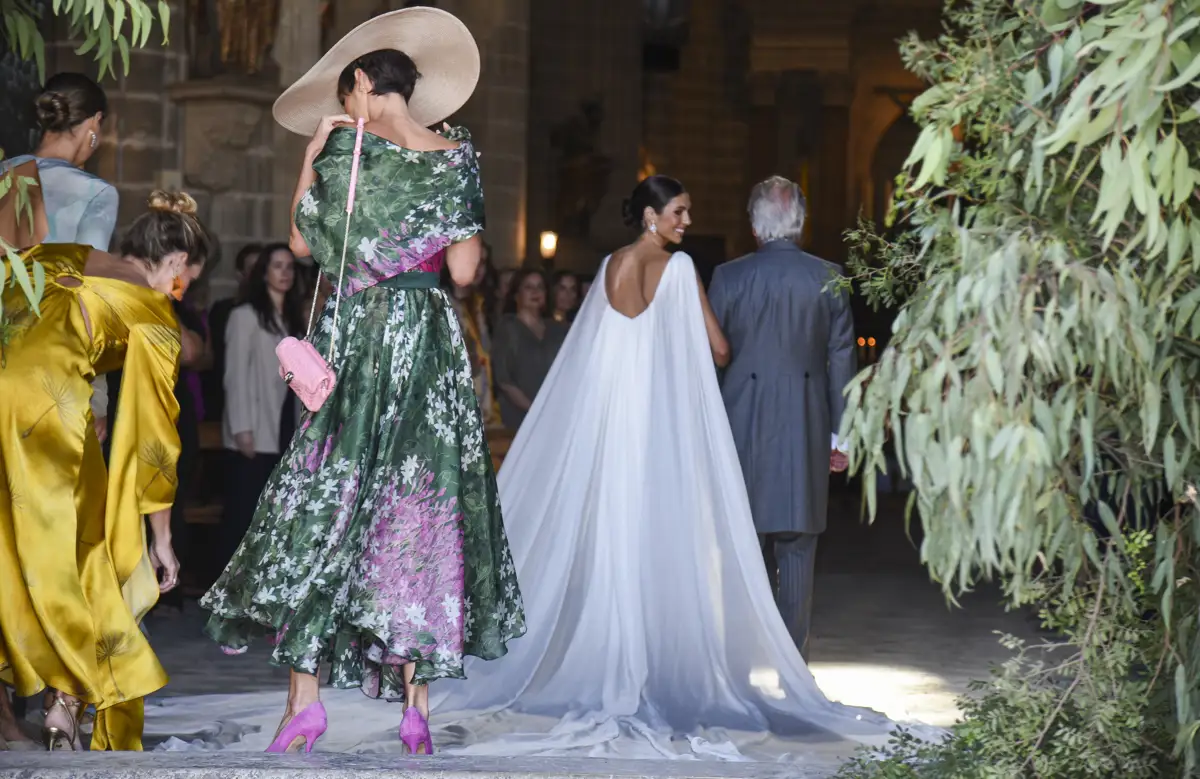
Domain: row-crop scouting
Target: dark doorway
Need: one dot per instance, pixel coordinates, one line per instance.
(707, 252)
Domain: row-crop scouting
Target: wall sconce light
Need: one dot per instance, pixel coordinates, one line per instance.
(548, 244)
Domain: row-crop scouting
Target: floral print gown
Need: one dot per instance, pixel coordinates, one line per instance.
(378, 540)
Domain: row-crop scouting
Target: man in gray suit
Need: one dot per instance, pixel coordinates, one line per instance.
(792, 339)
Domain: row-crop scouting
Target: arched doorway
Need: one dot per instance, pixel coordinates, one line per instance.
(888, 160)
(874, 326)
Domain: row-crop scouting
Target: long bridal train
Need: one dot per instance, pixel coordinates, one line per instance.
(652, 629)
(647, 601)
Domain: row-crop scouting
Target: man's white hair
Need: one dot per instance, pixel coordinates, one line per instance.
(777, 209)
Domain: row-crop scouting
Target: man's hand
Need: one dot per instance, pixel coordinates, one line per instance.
(101, 424)
(838, 461)
(245, 444)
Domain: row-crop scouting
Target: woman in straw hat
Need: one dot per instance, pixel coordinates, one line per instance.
(378, 550)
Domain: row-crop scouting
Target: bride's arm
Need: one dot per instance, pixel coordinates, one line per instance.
(716, 339)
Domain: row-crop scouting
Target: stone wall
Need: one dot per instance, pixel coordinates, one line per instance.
(697, 120)
(799, 88)
(228, 165)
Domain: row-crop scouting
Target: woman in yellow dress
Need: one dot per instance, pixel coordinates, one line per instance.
(70, 622)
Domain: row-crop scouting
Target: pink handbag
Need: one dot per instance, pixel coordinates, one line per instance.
(300, 364)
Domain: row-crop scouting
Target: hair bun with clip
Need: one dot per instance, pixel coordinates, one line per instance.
(174, 202)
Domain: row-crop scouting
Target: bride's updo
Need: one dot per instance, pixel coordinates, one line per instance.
(652, 192)
(168, 226)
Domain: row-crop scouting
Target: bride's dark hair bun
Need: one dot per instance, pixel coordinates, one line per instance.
(629, 216)
(651, 192)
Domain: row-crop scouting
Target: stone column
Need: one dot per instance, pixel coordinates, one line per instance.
(829, 210)
(498, 117)
(297, 48)
(583, 50)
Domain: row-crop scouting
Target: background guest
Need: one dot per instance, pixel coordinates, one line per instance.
(504, 281)
(218, 322)
(566, 297)
(524, 347)
(260, 411)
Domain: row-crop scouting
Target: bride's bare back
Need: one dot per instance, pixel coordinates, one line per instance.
(631, 282)
(632, 277)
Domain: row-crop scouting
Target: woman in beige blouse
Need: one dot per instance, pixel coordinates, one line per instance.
(260, 411)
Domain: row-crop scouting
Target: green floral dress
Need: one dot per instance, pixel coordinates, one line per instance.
(378, 541)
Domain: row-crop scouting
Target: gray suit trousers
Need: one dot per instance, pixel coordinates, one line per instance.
(791, 563)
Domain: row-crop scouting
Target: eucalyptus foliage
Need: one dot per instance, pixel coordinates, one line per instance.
(106, 27)
(1040, 389)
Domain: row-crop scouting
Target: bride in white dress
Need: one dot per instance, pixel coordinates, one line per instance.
(649, 610)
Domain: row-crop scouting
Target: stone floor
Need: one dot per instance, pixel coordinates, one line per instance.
(884, 637)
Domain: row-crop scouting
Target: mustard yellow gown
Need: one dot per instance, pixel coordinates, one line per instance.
(70, 621)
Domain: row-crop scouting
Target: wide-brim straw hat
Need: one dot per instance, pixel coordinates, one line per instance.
(440, 45)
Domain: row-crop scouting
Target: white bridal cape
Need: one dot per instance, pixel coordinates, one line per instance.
(646, 597)
(653, 632)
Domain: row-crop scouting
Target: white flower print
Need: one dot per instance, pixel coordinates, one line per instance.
(369, 249)
(409, 469)
(415, 614)
(308, 204)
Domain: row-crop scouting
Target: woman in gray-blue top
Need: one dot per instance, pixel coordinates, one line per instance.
(80, 207)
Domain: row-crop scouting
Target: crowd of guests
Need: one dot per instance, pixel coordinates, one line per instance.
(514, 323)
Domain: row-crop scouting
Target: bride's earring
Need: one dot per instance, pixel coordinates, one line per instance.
(653, 228)
(93, 141)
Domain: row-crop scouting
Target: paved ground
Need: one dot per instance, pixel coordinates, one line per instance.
(884, 637)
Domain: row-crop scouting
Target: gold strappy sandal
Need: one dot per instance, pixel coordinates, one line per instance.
(55, 738)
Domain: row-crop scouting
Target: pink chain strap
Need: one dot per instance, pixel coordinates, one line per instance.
(358, 139)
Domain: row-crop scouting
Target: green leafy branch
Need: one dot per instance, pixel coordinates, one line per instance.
(1042, 387)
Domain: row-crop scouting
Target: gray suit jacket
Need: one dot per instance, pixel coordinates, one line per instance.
(793, 355)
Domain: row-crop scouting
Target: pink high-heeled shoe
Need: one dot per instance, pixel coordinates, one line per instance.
(414, 731)
(309, 725)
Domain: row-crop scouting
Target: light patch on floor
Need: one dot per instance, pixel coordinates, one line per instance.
(903, 694)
